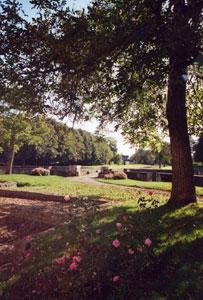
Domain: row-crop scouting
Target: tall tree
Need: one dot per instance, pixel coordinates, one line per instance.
(18, 129)
(127, 52)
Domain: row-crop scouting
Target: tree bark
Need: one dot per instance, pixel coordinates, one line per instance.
(183, 188)
(11, 155)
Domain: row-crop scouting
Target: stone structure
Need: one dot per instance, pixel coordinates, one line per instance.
(66, 171)
(33, 195)
(156, 175)
(4, 184)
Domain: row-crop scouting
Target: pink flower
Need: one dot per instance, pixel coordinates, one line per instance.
(118, 225)
(116, 243)
(98, 231)
(58, 237)
(140, 248)
(148, 242)
(116, 278)
(131, 251)
(67, 198)
(76, 259)
(28, 238)
(28, 254)
(125, 218)
(67, 244)
(150, 193)
(60, 260)
(73, 266)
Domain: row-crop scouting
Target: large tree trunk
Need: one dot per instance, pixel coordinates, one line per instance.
(11, 154)
(183, 189)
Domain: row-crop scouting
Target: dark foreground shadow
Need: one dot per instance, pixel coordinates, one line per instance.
(169, 269)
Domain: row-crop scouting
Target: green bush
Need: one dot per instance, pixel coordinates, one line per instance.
(119, 175)
(109, 176)
(115, 175)
(40, 172)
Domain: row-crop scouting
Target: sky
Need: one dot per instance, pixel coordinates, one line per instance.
(123, 147)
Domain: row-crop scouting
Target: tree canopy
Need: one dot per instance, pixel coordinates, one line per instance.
(46, 141)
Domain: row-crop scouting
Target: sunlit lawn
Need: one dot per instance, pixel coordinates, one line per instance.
(145, 184)
(169, 269)
(63, 186)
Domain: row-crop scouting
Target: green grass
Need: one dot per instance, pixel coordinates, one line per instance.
(144, 184)
(63, 186)
(170, 269)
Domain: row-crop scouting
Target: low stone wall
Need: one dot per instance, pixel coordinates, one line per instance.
(32, 195)
(9, 184)
(66, 171)
(90, 170)
(157, 175)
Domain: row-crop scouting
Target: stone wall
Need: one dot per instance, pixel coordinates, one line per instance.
(32, 195)
(66, 171)
(157, 175)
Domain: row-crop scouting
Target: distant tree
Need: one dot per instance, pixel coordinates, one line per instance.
(198, 154)
(16, 129)
(143, 156)
(117, 159)
(63, 145)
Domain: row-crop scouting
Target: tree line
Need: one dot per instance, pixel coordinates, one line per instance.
(38, 140)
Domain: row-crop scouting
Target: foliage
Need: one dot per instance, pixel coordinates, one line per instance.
(108, 176)
(41, 172)
(119, 175)
(20, 86)
(198, 155)
(113, 175)
(18, 129)
(64, 145)
(152, 156)
(142, 156)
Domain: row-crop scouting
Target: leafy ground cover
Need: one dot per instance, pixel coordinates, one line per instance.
(145, 184)
(136, 248)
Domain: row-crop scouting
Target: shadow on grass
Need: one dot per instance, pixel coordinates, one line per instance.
(169, 269)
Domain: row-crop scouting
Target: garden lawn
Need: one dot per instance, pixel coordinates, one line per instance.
(64, 186)
(144, 184)
(123, 252)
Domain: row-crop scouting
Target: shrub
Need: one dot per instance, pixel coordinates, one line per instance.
(119, 175)
(40, 172)
(109, 176)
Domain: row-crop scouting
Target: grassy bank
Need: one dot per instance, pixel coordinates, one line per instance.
(165, 186)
